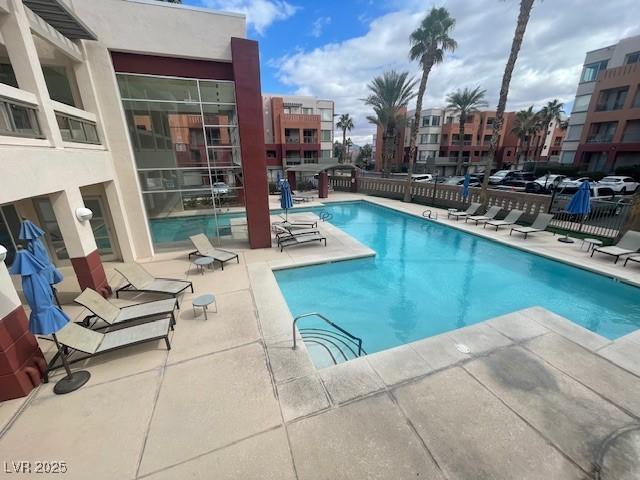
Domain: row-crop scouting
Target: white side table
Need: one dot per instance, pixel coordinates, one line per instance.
(203, 262)
(203, 301)
(591, 243)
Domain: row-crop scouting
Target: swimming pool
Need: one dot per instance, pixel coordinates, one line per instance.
(166, 232)
(427, 279)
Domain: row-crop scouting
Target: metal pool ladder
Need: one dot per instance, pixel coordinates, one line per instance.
(340, 342)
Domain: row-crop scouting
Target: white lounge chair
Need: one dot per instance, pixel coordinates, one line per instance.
(540, 224)
(301, 239)
(205, 249)
(141, 281)
(283, 233)
(112, 314)
(490, 215)
(632, 258)
(511, 218)
(628, 244)
(472, 210)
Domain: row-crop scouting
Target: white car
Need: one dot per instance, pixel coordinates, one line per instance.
(575, 182)
(546, 181)
(619, 184)
(421, 177)
(220, 188)
(498, 177)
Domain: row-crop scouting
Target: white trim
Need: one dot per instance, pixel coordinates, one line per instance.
(83, 145)
(17, 94)
(8, 140)
(73, 111)
(174, 77)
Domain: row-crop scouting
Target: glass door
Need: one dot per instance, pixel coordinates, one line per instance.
(53, 235)
(101, 228)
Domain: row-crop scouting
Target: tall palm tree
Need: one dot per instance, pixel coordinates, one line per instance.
(526, 126)
(349, 144)
(428, 42)
(345, 123)
(516, 43)
(547, 114)
(464, 103)
(390, 95)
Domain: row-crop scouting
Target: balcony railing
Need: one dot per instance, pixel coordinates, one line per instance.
(631, 137)
(308, 139)
(600, 138)
(293, 139)
(293, 160)
(19, 119)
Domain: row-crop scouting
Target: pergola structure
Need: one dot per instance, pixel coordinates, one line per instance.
(320, 169)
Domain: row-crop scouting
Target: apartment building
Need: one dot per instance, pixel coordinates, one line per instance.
(297, 130)
(604, 128)
(113, 105)
(438, 143)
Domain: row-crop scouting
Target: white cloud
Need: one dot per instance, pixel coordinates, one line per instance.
(318, 25)
(260, 13)
(557, 38)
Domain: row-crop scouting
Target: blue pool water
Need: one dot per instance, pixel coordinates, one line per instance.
(170, 230)
(427, 279)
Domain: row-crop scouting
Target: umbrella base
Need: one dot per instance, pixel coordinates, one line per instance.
(565, 240)
(72, 382)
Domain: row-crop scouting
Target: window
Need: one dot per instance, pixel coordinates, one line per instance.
(602, 132)
(491, 121)
(58, 84)
(326, 154)
(487, 139)
(425, 121)
(434, 138)
(17, 119)
(469, 119)
(636, 101)
(326, 115)
(7, 76)
(307, 111)
(435, 120)
(424, 138)
(631, 132)
(632, 58)
(590, 72)
(573, 133)
(612, 99)
(422, 156)
(581, 103)
(557, 141)
(325, 136)
(449, 119)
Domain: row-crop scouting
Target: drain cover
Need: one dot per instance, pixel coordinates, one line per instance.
(463, 348)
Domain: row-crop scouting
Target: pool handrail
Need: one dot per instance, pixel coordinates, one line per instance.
(356, 340)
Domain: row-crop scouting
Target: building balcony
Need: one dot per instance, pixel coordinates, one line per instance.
(310, 139)
(292, 139)
(600, 138)
(289, 161)
(301, 117)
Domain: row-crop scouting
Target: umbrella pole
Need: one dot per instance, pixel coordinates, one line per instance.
(72, 381)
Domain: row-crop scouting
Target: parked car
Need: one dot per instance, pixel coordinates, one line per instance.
(546, 182)
(519, 181)
(575, 182)
(220, 188)
(498, 177)
(619, 184)
(421, 177)
(458, 180)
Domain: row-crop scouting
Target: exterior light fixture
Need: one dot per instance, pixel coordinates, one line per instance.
(83, 214)
(3, 253)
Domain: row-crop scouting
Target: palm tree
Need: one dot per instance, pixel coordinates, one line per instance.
(349, 144)
(345, 122)
(516, 43)
(464, 103)
(390, 95)
(547, 114)
(526, 126)
(429, 42)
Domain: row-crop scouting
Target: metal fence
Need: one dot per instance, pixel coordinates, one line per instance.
(606, 219)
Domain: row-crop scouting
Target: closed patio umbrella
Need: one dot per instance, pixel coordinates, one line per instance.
(46, 318)
(286, 200)
(580, 204)
(32, 234)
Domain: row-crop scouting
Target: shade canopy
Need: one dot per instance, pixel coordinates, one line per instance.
(580, 203)
(32, 234)
(45, 317)
(286, 200)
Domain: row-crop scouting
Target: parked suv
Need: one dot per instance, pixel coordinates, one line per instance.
(499, 176)
(518, 181)
(619, 184)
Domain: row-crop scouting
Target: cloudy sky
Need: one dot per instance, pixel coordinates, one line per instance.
(332, 49)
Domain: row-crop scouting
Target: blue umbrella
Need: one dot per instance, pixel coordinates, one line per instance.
(465, 185)
(32, 233)
(580, 204)
(46, 318)
(286, 200)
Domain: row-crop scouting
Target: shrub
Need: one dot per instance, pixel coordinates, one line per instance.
(629, 171)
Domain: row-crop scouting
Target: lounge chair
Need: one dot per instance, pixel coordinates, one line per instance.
(633, 258)
(112, 314)
(511, 218)
(301, 239)
(295, 224)
(540, 224)
(283, 233)
(490, 215)
(628, 244)
(205, 249)
(472, 210)
(91, 342)
(141, 281)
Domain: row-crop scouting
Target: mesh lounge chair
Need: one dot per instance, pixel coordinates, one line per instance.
(490, 215)
(633, 258)
(628, 244)
(282, 233)
(540, 224)
(511, 218)
(91, 342)
(297, 224)
(301, 239)
(472, 210)
(112, 314)
(205, 249)
(142, 281)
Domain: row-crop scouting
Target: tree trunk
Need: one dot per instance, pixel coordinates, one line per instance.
(344, 143)
(388, 150)
(460, 145)
(414, 128)
(521, 27)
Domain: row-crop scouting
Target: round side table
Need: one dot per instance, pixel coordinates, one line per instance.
(203, 301)
(591, 243)
(203, 262)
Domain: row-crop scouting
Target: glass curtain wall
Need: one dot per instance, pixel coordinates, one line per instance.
(184, 134)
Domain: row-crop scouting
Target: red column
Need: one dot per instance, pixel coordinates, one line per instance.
(246, 74)
(90, 273)
(323, 185)
(291, 178)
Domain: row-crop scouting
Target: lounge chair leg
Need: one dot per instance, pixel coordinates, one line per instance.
(512, 232)
(593, 251)
(616, 260)
(166, 341)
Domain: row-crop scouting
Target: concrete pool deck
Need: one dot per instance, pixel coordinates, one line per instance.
(537, 397)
